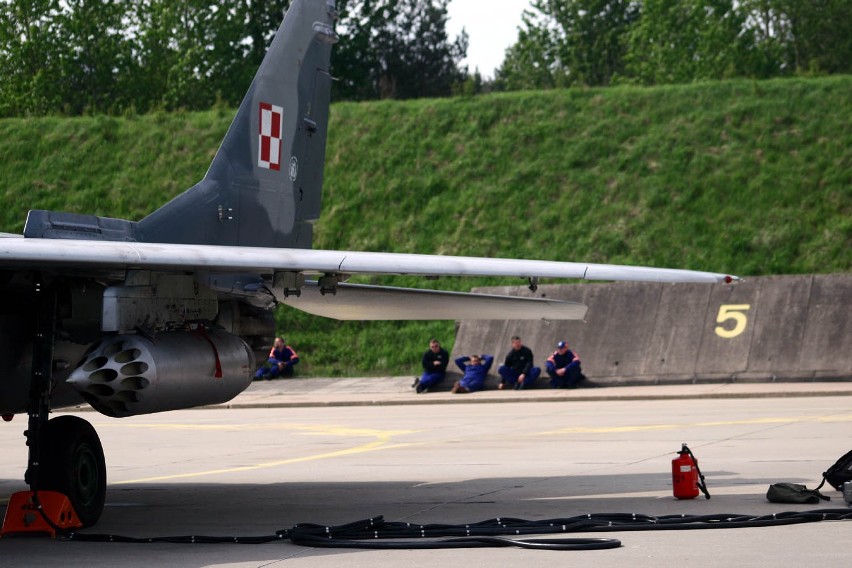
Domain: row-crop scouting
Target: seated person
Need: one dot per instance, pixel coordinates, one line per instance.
(475, 369)
(281, 360)
(564, 368)
(434, 362)
(517, 371)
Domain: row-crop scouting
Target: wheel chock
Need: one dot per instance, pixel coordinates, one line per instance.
(23, 516)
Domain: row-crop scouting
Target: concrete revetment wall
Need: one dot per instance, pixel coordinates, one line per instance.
(771, 328)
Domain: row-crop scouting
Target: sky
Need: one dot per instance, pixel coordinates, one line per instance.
(491, 25)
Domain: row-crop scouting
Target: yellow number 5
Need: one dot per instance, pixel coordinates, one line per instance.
(732, 312)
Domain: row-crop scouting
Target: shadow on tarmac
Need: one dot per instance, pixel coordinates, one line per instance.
(245, 510)
(160, 509)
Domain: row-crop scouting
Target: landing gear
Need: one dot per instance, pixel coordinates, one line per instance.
(72, 463)
(65, 453)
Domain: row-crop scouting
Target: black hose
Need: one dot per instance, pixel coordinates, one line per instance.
(376, 533)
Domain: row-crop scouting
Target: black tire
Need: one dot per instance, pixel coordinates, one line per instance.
(72, 463)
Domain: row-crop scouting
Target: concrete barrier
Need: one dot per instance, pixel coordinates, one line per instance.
(772, 328)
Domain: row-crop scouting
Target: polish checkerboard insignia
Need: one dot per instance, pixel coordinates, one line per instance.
(271, 129)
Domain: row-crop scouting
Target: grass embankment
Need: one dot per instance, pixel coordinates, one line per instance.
(744, 177)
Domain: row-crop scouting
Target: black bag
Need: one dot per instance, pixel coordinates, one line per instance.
(839, 473)
(836, 475)
(794, 493)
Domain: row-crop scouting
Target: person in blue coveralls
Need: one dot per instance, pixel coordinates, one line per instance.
(564, 370)
(280, 363)
(475, 369)
(517, 371)
(435, 362)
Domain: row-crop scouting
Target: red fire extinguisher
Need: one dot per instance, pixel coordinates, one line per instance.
(686, 477)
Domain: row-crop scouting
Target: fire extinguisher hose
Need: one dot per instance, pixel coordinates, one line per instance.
(702, 485)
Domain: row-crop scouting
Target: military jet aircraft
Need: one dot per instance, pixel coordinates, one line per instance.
(136, 317)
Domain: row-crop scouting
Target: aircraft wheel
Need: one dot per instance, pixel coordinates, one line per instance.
(72, 463)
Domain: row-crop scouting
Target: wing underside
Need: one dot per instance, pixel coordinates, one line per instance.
(81, 254)
(341, 301)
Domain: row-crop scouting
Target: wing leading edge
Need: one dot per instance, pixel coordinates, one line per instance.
(56, 253)
(345, 301)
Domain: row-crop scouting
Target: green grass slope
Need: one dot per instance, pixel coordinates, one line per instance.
(743, 177)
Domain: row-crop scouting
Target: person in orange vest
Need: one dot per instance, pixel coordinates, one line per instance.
(564, 369)
(281, 360)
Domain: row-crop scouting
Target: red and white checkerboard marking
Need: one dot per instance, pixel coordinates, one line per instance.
(271, 129)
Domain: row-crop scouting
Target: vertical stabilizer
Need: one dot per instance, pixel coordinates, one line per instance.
(264, 185)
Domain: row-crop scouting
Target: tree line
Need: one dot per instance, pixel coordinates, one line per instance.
(563, 43)
(113, 56)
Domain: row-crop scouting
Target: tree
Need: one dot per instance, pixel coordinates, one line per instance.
(396, 49)
(689, 40)
(185, 50)
(95, 58)
(75, 56)
(594, 33)
(596, 42)
(250, 32)
(354, 59)
(29, 62)
(570, 42)
(801, 36)
(532, 62)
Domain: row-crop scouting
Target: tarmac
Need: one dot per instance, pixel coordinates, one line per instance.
(217, 472)
(387, 391)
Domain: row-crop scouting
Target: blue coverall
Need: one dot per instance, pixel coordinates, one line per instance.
(568, 361)
(474, 375)
(519, 363)
(432, 373)
(272, 370)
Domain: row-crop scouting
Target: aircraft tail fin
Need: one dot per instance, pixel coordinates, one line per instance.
(264, 185)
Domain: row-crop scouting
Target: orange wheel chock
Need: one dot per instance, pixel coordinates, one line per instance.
(22, 515)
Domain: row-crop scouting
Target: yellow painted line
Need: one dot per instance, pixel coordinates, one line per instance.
(652, 427)
(382, 443)
(316, 429)
(718, 488)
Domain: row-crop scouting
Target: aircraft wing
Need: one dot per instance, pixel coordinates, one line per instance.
(346, 301)
(56, 253)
